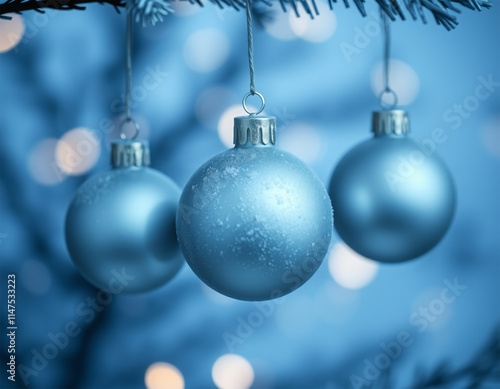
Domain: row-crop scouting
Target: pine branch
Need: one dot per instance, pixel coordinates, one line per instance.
(152, 11)
(18, 6)
(482, 367)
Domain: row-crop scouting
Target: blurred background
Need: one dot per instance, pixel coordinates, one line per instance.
(356, 323)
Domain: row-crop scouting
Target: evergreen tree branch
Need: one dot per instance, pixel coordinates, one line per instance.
(442, 10)
(19, 6)
(484, 366)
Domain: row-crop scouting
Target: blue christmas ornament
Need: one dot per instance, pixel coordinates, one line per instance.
(254, 222)
(393, 198)
(120, 226)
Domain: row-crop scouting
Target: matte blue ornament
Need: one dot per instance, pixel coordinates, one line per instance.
(393, 199)
(254, 222)
(120, 226)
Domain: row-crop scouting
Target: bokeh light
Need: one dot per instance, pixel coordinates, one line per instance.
(403, 80)
(42, 165)
(161, 375)
(279, 27)
(349, 269)
(206, 50)
(67, 71)
(184, 8)
(302, 140)
(232, 371)
(36, 277)
(77, 151)
(225, 128)
(490, 136)
(11, 32)
(316, 30)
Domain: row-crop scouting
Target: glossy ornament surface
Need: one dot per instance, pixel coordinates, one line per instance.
(120, 226)
(254, 222)
(393, 198)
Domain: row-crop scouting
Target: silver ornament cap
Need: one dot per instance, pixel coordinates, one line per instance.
(393, 122)
(254, 130)
(128, 153)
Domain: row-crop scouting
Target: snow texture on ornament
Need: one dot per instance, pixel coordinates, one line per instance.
(120, 226)
(393, 199)
(254, 222)
(149, 11)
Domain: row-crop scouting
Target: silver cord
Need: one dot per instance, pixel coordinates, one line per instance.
(387, 45)
(128, 83)
(128, 80)
(250, 64)
(250, 46)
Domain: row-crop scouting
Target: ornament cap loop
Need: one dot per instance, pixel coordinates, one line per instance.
(254, 131)
(393, 122)
(130, 153)
(387, 105)
(262, 101)
(122, 132)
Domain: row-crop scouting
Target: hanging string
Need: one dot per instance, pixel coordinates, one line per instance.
(250, 46)
(250, 63)
(128, 83)
(128, 79)
(387, 45)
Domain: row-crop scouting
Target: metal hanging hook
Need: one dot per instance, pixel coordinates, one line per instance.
(385, 105)
(121, 129)
(262, 106)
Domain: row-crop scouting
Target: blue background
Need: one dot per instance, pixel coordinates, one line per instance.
(67, 72)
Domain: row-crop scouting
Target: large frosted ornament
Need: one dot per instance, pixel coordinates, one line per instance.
(393, 198)
(254, 222)
(120, 226)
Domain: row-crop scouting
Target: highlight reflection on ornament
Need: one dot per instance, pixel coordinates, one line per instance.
(120, 226)
(393, 199)
(254, 222)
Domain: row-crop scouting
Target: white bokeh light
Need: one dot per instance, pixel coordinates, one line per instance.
(349, 269)
(302, 140)
(184, 8)
(11, 32)
(206, 50)
(316, 30)
(225, 128)
(279, 27)
(161, 375)
(77, 151)
(36, 277)
(42, 165)
(232, 371)
(490, 136)
(403, 80)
